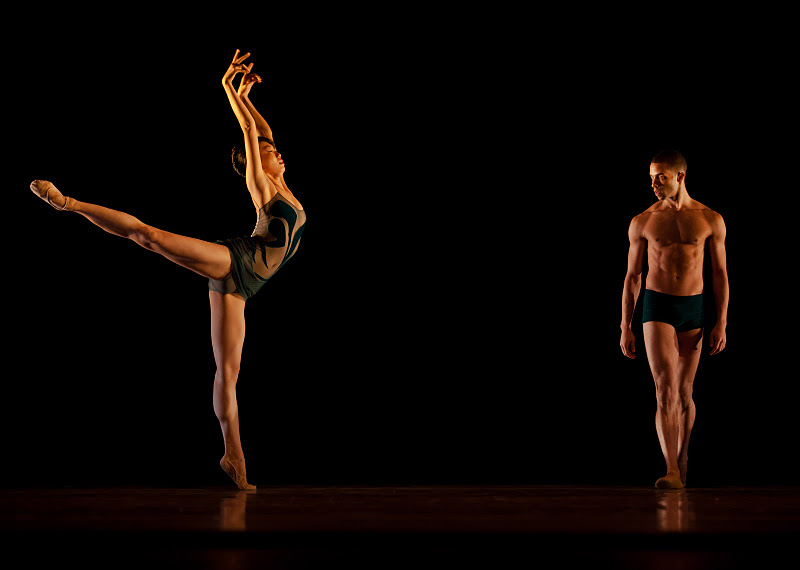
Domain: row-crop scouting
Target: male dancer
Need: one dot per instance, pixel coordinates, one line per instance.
(674, 230)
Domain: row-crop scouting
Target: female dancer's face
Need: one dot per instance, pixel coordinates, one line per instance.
(271, 161)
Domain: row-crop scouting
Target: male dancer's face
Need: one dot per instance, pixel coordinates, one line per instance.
(664, 180)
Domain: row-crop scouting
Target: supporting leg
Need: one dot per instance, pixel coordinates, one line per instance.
(662, 352)
(227, 338)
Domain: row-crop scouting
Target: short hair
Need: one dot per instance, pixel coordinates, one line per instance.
(239, 156)
(672, 158)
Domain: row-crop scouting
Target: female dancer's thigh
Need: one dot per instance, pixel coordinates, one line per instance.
(211, 260)
(227, 332)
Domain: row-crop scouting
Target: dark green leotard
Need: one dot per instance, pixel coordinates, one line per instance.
(256, 258)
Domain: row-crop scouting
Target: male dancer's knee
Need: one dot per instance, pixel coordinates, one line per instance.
(668, 397)
(685, 398)
(672, 398)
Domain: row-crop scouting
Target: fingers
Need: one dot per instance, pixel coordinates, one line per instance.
(237, 60)
(717, 344)
(242, 67)
(629, 350)
(239, 67)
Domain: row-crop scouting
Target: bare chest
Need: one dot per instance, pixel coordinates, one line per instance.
(685, 228)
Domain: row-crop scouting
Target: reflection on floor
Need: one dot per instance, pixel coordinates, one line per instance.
(400, 526)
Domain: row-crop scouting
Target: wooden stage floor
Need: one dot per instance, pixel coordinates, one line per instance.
(381, 527)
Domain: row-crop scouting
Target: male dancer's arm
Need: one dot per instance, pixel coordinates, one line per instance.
(719, 283)
(631, 287)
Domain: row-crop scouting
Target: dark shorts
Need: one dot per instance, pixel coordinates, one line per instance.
(683, 313)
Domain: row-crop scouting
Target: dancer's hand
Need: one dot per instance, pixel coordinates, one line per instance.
(248, 80)
(718, 339)
(627, 343)
(236, 66)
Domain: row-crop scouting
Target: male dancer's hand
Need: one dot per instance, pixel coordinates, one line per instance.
(718, 339)
(627, 343)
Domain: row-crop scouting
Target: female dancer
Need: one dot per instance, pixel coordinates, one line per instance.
(236, 268)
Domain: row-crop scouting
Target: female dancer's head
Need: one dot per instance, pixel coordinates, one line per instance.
(271, 161)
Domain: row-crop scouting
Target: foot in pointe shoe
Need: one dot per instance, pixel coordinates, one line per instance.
(50, 194)
(672, 480)
(240, 479)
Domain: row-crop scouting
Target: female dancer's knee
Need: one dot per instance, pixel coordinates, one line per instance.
(225, 406)
(146, 236)
(227, 374)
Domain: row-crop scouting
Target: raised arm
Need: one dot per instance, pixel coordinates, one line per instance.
(245, 86)
(632, 286)
(257, 182)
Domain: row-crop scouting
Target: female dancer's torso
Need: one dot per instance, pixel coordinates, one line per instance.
(280, 224)
(256, 258)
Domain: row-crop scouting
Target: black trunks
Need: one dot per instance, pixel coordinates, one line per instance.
(685, 313)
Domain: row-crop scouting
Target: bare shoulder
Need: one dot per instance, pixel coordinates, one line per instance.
(713, 218)
(641, 220)
(636, 228)
(655, 207)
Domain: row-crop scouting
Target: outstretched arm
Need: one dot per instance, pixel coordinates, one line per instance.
(245, 86)
(257, 182)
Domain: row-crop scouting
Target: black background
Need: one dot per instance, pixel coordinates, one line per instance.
(452, 315)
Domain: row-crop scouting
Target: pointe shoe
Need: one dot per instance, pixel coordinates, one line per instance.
(672, 480)
(42, 189)
(240, 481)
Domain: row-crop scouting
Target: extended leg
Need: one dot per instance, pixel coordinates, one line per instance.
(227, 338)
(661, 342)
(210, 260)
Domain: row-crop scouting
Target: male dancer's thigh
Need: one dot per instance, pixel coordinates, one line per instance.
(690, 346)
(673, 356)
(661, 343)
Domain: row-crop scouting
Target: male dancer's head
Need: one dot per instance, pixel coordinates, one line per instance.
(668, 174)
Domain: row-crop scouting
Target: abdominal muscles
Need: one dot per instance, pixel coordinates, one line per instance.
(675, 269)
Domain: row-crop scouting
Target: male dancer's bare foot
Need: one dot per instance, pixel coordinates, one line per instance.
(672, 480)
(48, 192)
(236, 470)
